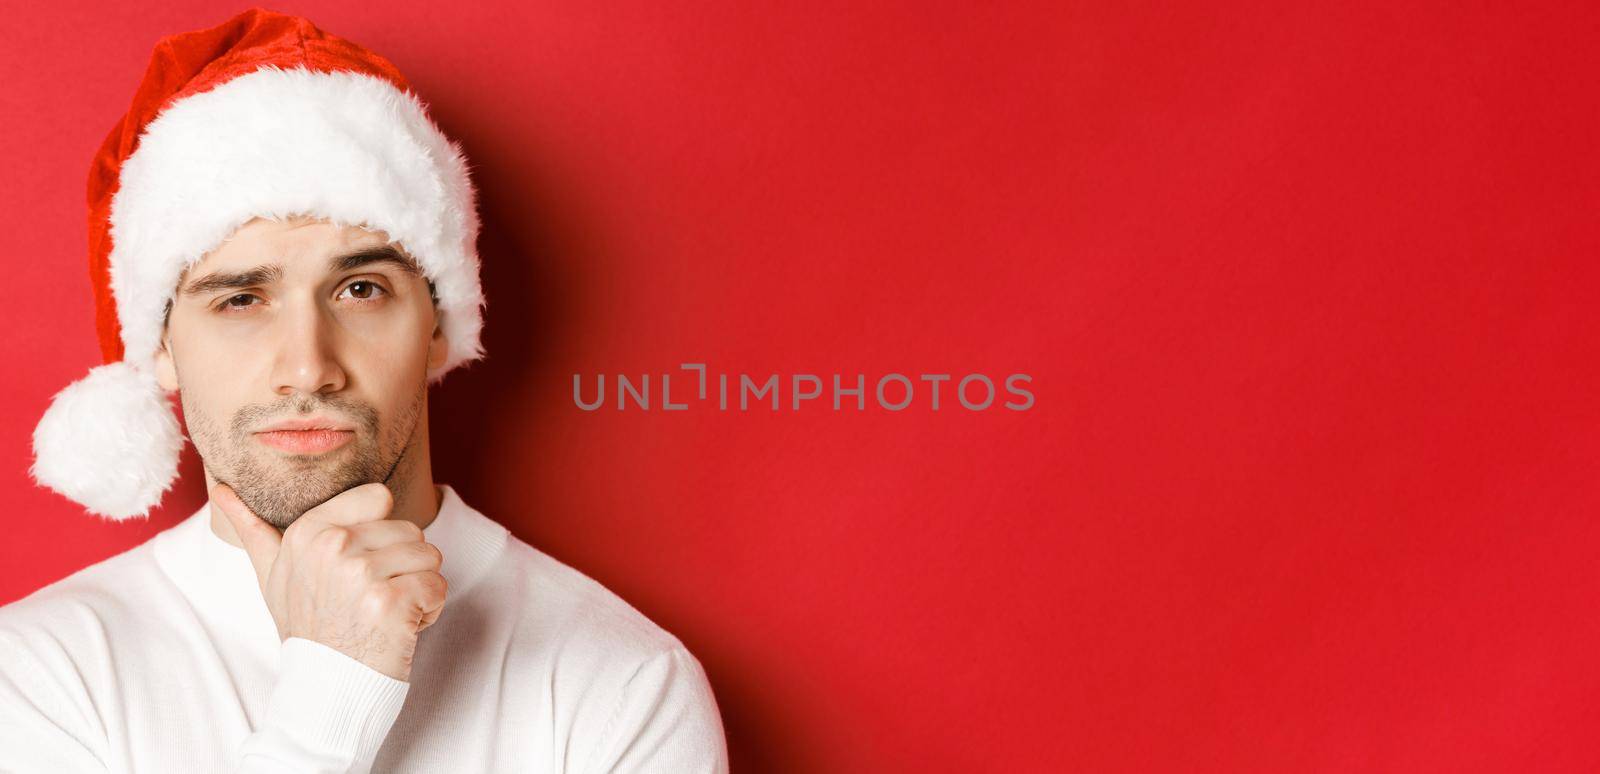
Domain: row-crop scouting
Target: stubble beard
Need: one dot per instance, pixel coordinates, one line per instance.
(280, 488)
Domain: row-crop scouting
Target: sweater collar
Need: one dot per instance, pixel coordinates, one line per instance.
(215, 574)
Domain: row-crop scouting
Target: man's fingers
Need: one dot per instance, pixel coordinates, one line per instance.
(401, 559)
(261, 540)
(429, 618)
(356, 505)
(374, 535)
(424, 593)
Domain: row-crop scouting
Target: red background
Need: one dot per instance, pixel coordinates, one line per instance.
(1307, 296)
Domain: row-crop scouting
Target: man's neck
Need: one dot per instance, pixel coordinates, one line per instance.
(420, 511)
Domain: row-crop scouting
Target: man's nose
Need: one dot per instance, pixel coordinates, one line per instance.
(307, 351)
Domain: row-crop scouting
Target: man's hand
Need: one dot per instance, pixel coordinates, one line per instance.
(346, 575)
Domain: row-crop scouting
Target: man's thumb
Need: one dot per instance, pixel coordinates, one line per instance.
(260, 539)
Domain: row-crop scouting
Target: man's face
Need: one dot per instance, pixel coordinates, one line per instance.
(302, 321)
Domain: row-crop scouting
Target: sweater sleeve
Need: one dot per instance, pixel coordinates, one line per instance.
(328, 713)
(666, 719)
(47, 719)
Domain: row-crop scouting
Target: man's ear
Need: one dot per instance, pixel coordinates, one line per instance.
(166, 371)
(438, 347)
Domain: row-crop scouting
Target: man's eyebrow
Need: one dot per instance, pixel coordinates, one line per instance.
(225, 280)
(266, 275)
(379, 254)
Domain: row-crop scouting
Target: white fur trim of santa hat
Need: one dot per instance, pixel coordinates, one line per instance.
(344, 146)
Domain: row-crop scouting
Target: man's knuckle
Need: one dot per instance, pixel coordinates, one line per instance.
(363, 567)
(380, 600)
(431, 552)
(332, 539)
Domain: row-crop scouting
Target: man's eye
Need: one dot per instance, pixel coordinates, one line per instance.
(363, 290)
(230, 302)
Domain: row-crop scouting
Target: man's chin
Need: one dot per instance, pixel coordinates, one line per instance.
(281, 501)
(287, 488)
(281, 485)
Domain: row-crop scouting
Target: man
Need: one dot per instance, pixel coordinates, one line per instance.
(282, 237)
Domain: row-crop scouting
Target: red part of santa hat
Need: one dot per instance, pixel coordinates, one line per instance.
(263, 115)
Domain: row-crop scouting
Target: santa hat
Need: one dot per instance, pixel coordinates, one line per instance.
(263, 115)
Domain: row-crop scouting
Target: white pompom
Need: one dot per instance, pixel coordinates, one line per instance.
(109, 442)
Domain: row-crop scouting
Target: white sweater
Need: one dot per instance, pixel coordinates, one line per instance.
(164, 659)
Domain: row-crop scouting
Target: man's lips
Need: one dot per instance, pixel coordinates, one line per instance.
(306, 441)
